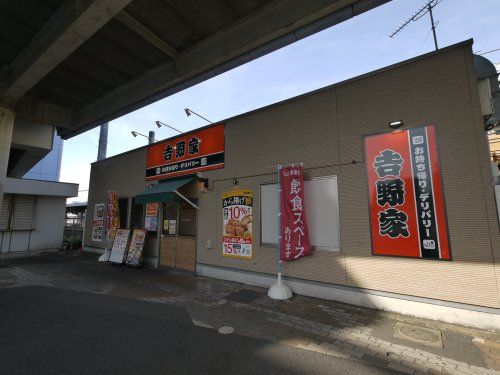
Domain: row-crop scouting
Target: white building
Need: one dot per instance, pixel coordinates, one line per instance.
(32, 216)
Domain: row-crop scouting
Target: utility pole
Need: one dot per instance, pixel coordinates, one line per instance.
(427, 8)
(433, 26)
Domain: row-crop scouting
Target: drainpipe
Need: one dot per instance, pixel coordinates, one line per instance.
(159, 232)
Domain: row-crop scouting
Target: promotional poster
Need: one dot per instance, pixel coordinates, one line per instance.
(237, 224)
(98, 222)
(151, 219)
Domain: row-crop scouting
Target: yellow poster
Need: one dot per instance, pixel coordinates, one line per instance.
(237, 207)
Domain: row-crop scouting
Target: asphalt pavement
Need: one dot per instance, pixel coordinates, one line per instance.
(46, 330)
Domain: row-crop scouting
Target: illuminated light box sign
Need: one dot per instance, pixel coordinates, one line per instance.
(407, 209)
(197, 151)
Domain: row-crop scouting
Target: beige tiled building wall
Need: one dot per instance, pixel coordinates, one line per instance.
(325, 130)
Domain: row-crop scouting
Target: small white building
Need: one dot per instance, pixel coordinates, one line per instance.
(32, 216)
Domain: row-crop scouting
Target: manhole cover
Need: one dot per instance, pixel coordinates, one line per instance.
(244, 295)
(418, 334)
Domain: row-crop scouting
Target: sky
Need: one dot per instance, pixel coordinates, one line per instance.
(346, 50)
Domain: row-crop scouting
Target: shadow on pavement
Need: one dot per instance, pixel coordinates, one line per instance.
(321, 326)
(59, 331)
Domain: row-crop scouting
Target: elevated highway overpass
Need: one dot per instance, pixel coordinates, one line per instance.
(77, 64)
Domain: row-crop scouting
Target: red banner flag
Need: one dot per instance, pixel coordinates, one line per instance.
(293, 231)
(113, 215)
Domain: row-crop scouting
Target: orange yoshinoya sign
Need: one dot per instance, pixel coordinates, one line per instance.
(407, 210)
(197, 151)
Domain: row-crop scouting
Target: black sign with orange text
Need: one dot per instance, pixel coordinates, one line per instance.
(407, 210)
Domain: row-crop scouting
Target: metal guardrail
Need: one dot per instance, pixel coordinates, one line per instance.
(73, 233)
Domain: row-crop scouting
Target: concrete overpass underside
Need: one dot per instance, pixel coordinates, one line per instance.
(79, 63)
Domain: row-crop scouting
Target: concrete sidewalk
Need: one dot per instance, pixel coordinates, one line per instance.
(393, 341)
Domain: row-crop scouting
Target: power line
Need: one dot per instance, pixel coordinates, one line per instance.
(424, 40)
(427, 8)
(493, 50)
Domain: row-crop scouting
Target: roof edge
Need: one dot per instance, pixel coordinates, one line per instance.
(467, 42)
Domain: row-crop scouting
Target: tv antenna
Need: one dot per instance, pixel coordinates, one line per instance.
(427, 8)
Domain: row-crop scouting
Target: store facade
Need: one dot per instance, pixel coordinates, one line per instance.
(327, 131)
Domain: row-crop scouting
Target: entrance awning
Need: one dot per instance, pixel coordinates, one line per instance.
(164, 192)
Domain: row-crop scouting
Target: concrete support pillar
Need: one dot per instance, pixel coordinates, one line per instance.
(6, 127)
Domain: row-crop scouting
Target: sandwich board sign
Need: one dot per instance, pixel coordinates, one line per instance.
(119, 249)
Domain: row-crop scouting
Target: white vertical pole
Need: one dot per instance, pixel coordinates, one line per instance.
(159, 233)
(83, 229)
(279, 290)
(280, 263)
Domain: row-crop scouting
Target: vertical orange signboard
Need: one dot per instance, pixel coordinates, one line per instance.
(407, 210)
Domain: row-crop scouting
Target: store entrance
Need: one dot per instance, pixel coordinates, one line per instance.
(178, 239)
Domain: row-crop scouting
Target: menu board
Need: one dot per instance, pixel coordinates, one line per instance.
(134, 257)
(119, 249)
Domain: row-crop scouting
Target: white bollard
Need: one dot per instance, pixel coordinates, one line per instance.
(279, 291)
(105, 257)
